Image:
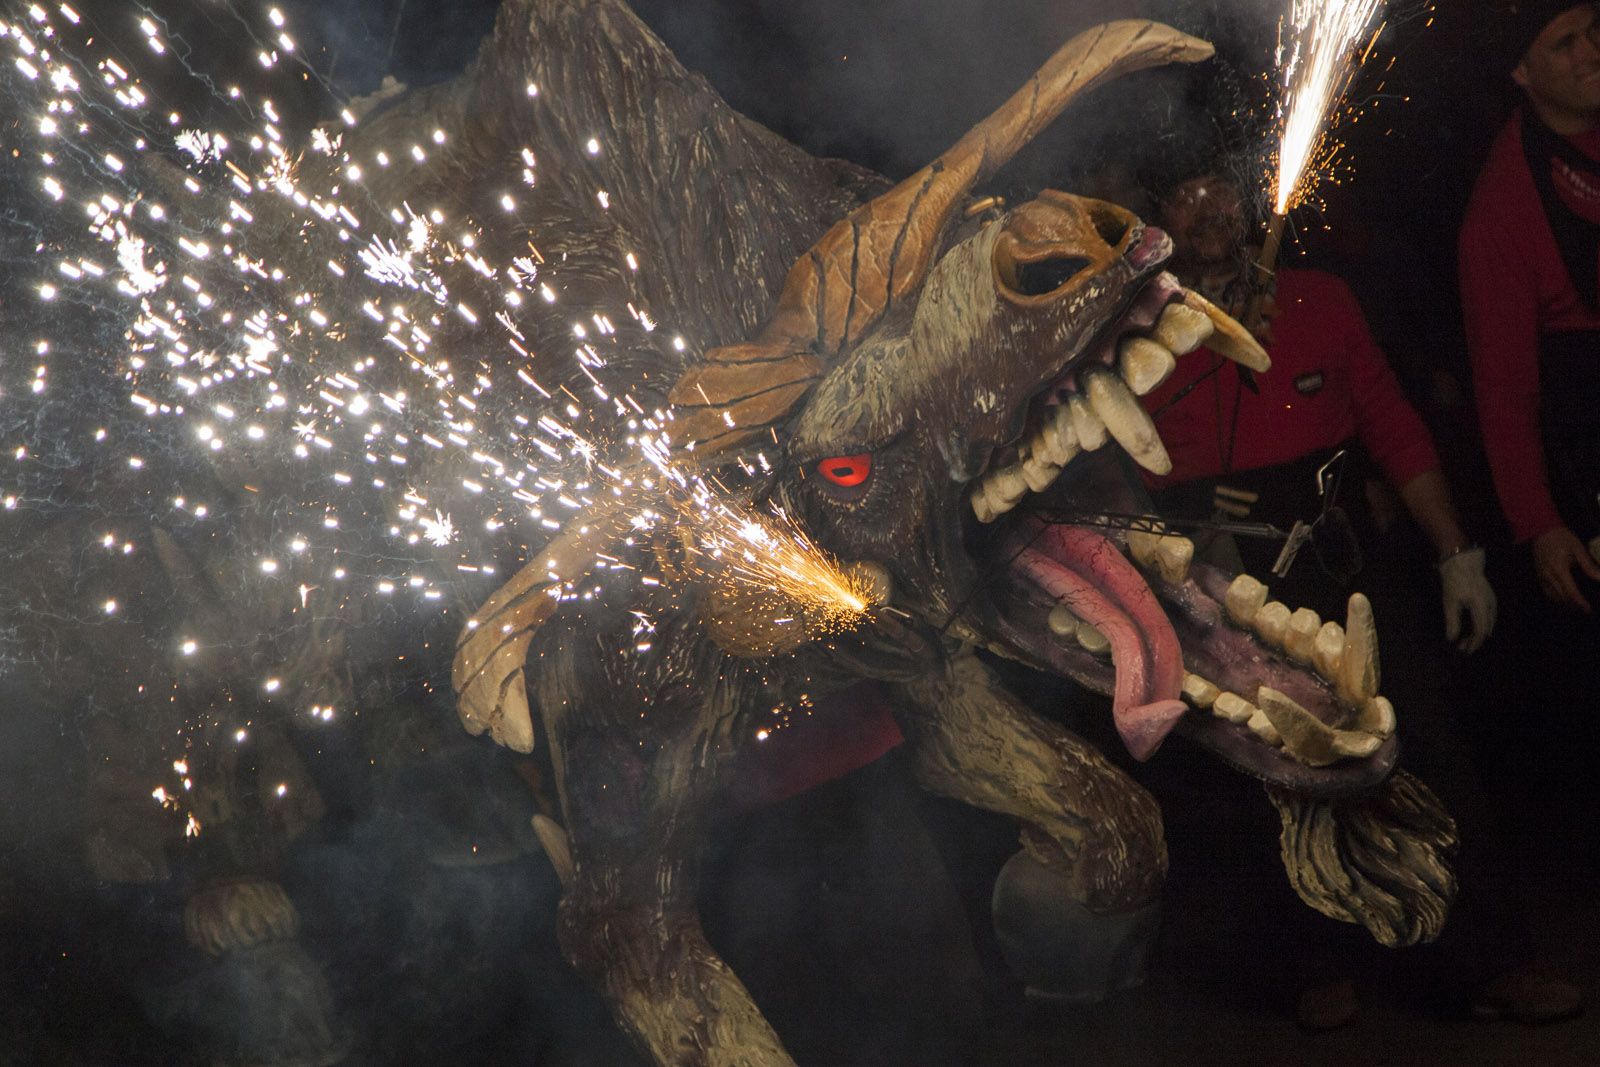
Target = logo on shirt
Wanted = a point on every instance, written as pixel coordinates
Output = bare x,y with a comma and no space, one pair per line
1309,384
1579,190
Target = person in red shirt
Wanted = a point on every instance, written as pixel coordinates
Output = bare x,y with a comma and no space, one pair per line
1261,448
1256,443
1530,267
1530,293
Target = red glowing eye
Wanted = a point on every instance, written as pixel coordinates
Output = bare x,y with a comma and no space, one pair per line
848,471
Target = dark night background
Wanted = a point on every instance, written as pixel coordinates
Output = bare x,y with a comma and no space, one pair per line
433,964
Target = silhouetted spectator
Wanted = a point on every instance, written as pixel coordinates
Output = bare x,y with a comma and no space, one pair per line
1530,293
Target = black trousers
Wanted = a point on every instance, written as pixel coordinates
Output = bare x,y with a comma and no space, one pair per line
1537,725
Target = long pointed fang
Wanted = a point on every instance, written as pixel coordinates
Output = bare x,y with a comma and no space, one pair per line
1231,339
1127,421
1358,677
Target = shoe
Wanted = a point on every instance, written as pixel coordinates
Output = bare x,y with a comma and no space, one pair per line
1528,996
1327,1006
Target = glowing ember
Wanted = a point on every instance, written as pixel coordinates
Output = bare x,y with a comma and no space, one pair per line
1318,60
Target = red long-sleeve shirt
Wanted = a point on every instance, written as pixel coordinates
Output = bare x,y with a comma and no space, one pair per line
1329,382
1514,287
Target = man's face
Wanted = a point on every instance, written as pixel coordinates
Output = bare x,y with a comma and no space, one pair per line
1205,217
1562,68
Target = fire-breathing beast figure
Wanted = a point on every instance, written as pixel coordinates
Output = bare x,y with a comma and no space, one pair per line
939,382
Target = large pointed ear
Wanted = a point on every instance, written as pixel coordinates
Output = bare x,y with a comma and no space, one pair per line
739,391
883,250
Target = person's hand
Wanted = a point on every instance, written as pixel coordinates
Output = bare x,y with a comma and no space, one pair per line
1555,553
1466,589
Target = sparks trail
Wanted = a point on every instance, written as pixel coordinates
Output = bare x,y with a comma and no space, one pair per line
745,548
292,347
1319,52
182,56
261,351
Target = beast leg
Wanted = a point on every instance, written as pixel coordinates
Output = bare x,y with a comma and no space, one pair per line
628,921
1076,909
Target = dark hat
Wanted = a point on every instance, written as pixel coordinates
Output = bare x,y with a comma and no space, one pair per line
1187,150
1516,24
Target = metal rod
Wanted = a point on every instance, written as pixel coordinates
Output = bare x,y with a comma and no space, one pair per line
1162,523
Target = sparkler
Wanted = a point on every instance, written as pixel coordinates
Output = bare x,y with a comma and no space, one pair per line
1318,58
771,552
337,354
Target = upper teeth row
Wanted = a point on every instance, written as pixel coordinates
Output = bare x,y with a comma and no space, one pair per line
1105,405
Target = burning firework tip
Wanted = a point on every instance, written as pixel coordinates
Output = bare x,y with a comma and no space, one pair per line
768,557
1318,56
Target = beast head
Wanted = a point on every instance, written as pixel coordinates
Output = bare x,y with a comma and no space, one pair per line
957,402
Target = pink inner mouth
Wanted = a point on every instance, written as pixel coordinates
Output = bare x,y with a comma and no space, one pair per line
1088,574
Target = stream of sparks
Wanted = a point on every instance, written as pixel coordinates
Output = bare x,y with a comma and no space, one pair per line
1318,57
773,551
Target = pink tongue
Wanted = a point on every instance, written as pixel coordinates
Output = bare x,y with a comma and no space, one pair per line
1087,573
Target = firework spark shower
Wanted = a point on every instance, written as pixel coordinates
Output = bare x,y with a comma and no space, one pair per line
256,347
238,322
1318,59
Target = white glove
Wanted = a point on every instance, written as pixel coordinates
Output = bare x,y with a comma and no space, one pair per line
1465,587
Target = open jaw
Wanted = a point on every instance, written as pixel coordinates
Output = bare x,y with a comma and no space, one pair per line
1277,692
